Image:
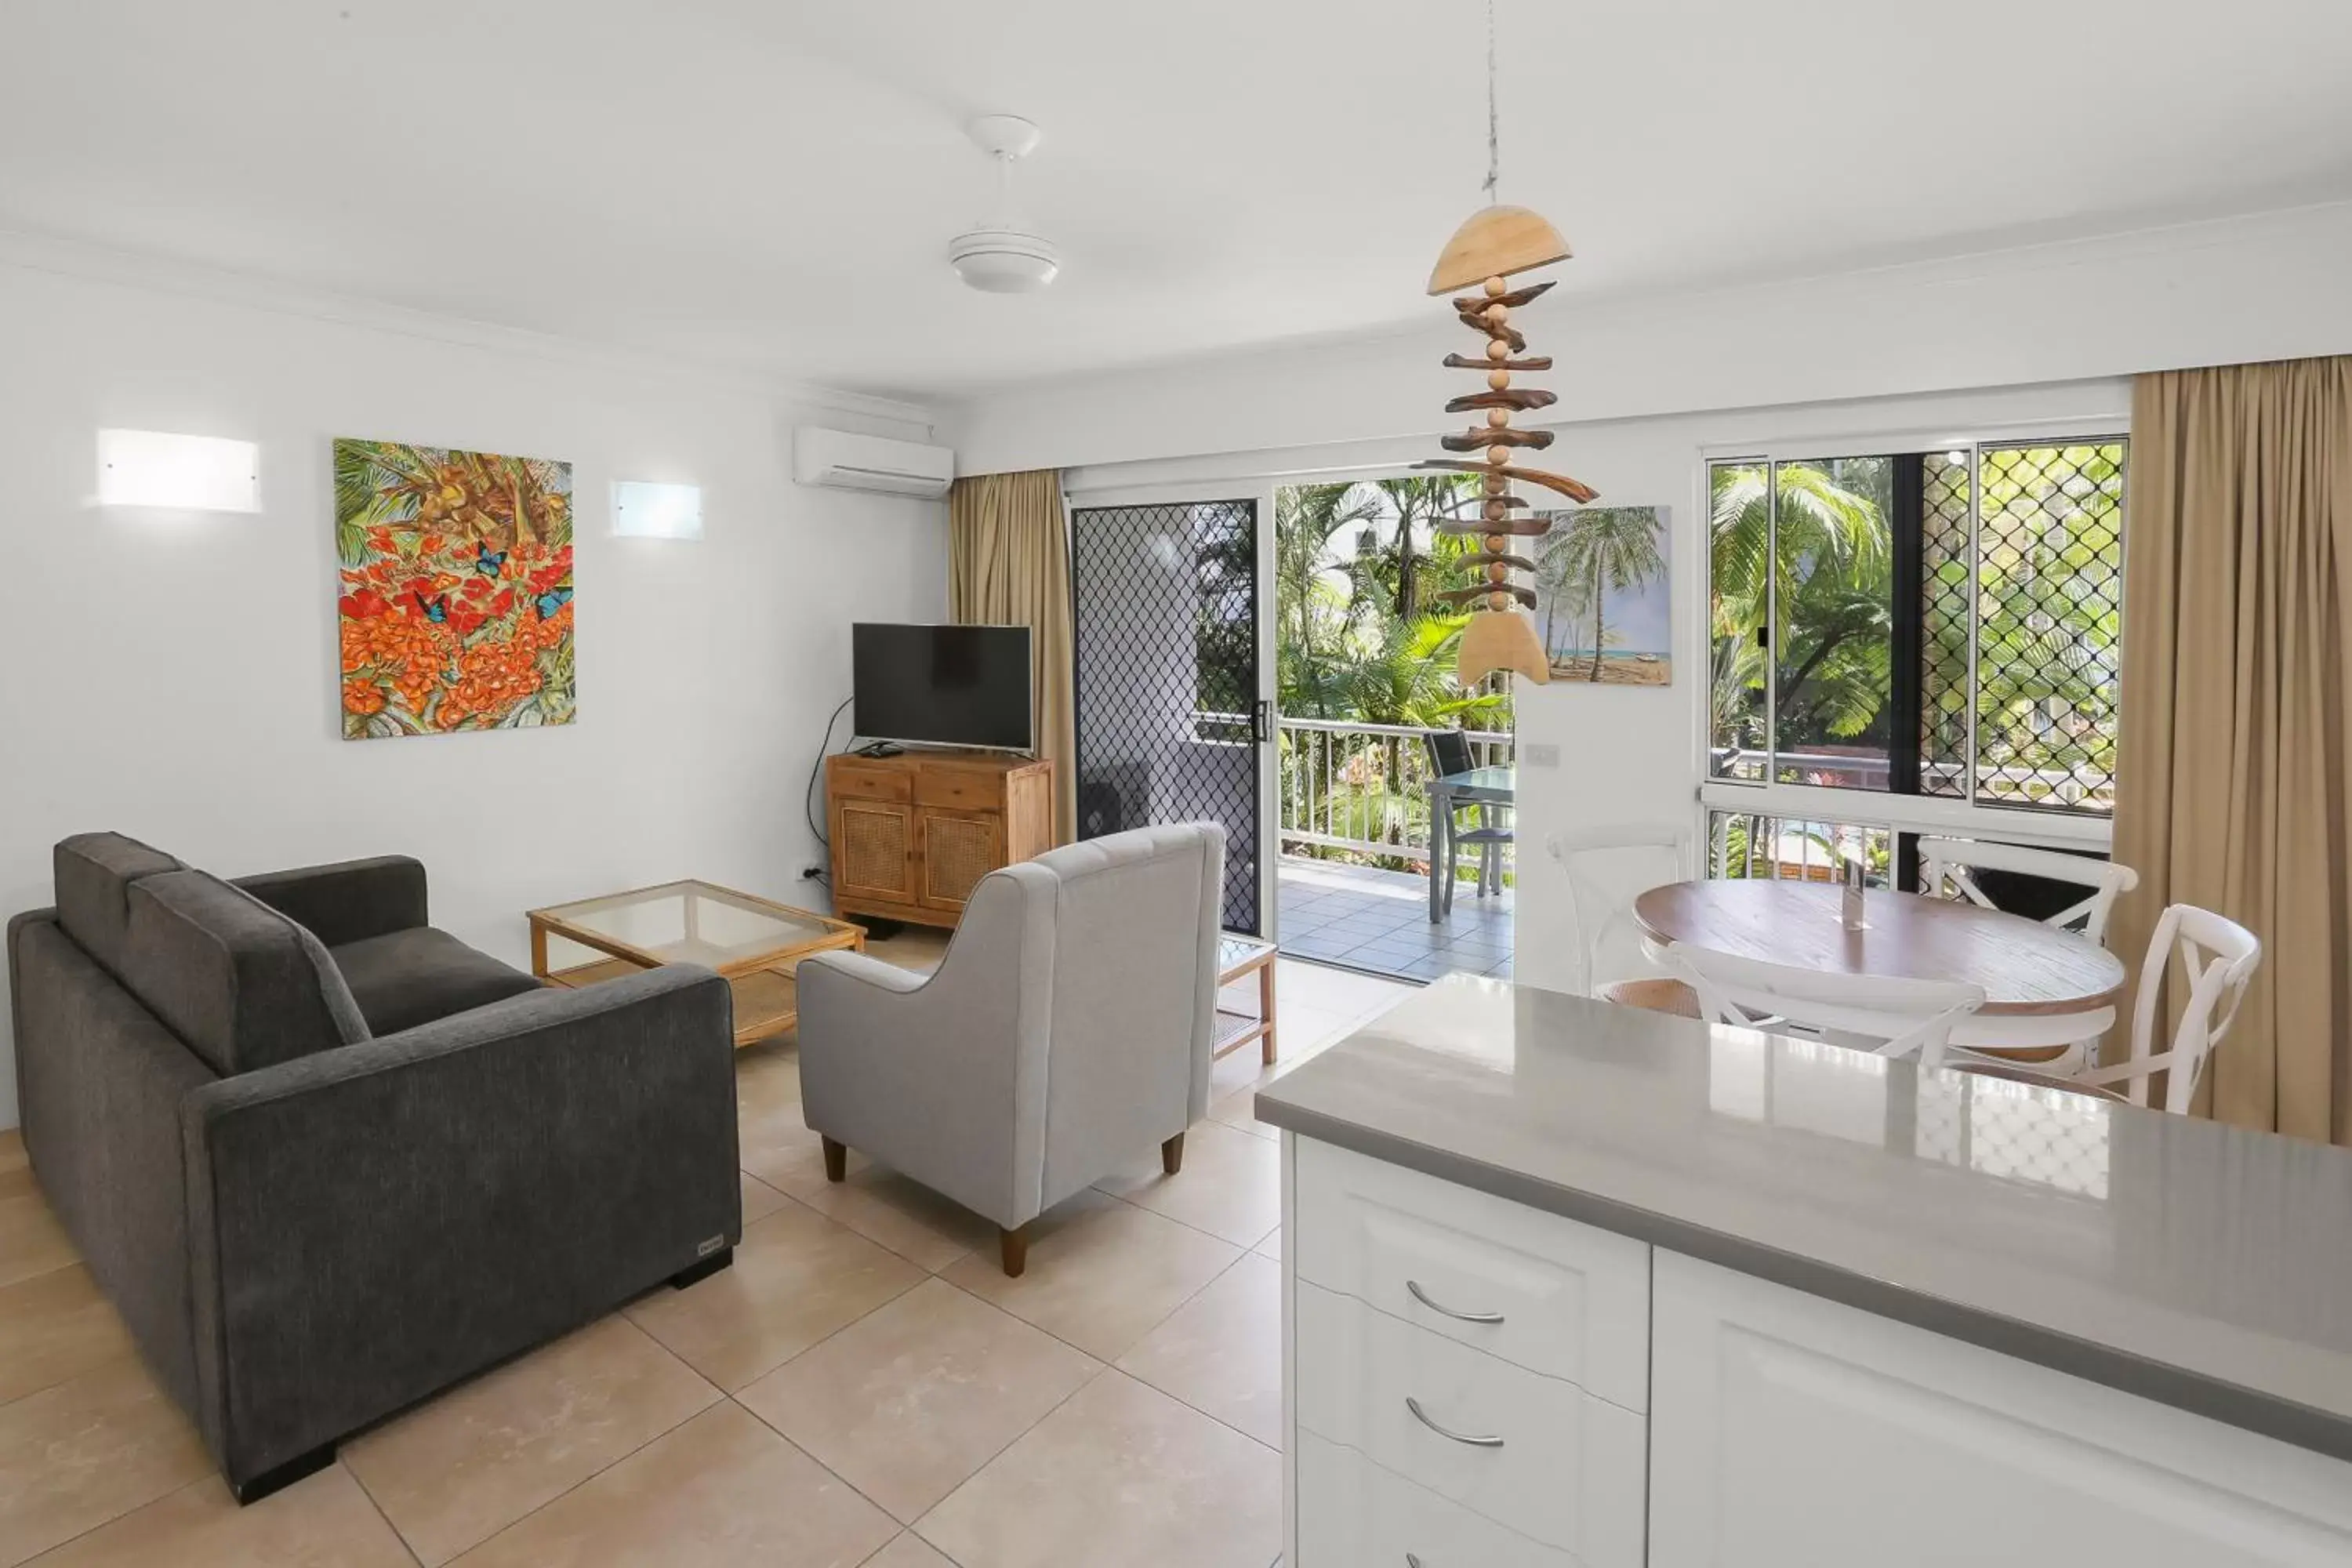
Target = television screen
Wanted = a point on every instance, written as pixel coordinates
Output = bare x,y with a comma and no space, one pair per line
948,686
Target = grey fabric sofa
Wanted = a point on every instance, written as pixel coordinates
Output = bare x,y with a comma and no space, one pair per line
1068,1028
327,1160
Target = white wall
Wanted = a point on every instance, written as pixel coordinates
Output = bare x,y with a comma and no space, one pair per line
2266,287
176,677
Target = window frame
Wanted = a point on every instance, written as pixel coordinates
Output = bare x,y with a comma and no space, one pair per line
2040,825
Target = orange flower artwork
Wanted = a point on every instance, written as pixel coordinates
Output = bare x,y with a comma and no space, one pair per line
455,606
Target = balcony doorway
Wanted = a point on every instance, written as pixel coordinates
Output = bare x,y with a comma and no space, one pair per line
1364,674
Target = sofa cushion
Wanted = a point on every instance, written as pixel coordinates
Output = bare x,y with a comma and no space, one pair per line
242,987
94,872
409,977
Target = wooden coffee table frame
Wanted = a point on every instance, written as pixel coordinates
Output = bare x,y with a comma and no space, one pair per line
767,994
1236,1029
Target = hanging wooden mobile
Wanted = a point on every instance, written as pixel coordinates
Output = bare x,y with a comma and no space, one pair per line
1493,245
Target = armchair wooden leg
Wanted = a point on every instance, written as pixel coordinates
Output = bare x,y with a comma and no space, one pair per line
1171,1155
1012,1246
837,1159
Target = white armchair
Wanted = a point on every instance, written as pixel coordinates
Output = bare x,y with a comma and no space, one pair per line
1068,1026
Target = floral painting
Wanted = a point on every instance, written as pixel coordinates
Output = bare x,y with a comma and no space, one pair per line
457,590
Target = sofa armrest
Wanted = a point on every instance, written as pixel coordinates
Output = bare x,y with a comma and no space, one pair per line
368,1225
349,901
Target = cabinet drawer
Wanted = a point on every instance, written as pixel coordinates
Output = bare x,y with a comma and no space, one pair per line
959,787
869,784
1354,1514
1568,1469
1561,1299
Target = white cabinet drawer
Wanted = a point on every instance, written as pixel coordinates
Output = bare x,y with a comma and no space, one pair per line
1354,1514
1562,1299
1557,1464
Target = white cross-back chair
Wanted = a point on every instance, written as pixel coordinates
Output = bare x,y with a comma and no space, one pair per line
1604,907
2218,958
1894,1017
1951,862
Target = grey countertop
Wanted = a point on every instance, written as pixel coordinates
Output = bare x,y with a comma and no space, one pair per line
2174,1258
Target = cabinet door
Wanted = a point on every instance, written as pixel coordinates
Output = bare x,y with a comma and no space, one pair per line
873,849
1790,1432
959,848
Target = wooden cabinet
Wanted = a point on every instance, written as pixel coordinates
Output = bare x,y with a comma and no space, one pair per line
1791,1432
913,833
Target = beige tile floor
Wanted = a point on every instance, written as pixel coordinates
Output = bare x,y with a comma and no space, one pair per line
863,1386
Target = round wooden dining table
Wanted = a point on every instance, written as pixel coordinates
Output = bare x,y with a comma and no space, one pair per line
2043,986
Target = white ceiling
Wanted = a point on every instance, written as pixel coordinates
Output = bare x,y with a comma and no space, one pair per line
771,183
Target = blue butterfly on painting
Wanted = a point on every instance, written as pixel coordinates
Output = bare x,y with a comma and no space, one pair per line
435,610
485,562
553,600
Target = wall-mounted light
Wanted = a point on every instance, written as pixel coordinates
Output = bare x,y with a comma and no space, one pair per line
643,509
183,473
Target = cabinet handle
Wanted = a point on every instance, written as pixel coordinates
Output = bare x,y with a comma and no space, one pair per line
1413,1288
1422,1416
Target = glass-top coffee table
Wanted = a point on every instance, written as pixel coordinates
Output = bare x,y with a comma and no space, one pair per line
755,942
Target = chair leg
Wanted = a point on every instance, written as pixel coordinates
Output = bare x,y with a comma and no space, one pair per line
837,1159
1012,1249
1171,1155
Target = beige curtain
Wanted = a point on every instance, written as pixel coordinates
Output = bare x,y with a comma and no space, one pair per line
2237,705
1009,564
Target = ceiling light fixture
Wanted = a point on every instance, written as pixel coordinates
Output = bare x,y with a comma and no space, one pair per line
1002,255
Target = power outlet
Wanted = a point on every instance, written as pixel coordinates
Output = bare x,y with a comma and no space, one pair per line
1541,756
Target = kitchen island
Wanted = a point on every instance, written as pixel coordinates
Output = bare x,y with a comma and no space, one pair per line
1573,1284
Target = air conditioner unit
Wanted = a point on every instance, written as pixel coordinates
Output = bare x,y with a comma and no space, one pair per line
853,462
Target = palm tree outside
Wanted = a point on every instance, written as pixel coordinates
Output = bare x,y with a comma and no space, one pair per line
1359,640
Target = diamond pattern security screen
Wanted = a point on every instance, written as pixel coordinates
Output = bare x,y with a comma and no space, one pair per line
1972,599
2049,561
1167,677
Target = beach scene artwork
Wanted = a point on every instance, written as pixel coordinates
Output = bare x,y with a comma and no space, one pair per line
1605,591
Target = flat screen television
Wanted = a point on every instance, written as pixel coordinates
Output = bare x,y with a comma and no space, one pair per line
942,686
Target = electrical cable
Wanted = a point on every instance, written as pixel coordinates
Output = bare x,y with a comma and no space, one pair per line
808,795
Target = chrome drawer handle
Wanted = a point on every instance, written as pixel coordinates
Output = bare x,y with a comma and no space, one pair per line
1422,1416
1413,1288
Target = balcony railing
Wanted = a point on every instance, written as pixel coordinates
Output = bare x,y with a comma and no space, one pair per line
2087,788
1363,788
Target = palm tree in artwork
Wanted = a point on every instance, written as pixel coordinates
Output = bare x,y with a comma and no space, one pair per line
1606,547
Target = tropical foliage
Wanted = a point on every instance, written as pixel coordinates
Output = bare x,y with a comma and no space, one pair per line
1360,637
2020,609
1346,556
456,606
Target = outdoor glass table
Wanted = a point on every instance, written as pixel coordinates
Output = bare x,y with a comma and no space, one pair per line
1481,786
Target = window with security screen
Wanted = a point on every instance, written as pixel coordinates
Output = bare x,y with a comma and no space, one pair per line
1942,624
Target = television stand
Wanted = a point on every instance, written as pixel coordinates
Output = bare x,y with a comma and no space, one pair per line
915,831
879,748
